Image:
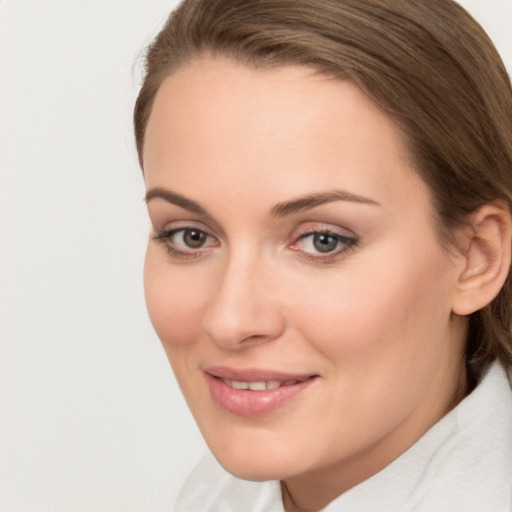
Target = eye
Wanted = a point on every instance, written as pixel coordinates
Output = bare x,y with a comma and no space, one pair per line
191,238
185,241
322,242
325,243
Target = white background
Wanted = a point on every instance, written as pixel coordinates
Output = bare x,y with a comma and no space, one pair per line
91,418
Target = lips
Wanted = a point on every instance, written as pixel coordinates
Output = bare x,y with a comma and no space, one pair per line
254,392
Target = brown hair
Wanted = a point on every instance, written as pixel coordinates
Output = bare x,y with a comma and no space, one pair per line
427,63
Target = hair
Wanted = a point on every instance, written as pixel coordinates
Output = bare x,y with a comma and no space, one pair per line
426,63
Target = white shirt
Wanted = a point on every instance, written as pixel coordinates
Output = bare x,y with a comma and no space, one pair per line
463,463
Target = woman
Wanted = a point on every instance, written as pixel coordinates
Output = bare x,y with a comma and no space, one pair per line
330,189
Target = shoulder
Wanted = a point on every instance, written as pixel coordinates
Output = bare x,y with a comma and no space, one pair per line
210,488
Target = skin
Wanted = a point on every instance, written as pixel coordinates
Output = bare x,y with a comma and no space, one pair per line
373,318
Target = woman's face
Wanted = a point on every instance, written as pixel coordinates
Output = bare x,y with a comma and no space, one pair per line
294,275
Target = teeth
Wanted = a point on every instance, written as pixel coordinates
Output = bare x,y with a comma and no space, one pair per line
257,386
239,385
260,385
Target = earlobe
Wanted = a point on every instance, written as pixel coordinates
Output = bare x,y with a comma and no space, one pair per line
486,260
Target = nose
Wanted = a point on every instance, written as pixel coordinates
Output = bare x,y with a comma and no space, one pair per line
244,308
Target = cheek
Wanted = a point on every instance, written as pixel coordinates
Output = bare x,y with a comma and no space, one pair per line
174,302
380,313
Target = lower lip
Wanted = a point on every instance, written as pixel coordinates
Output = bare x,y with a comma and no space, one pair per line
253,403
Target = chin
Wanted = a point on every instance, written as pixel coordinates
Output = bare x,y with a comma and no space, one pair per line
257,473
260,467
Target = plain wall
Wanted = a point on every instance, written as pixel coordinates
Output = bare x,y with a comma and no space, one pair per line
91,418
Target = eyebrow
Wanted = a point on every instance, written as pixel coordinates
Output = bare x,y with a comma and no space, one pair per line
310,201
174,198
284,209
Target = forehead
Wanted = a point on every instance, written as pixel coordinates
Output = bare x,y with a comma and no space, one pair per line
290,128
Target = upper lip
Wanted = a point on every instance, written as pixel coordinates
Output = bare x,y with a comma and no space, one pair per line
253,374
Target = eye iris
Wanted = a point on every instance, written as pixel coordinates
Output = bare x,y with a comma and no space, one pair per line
193,238
324,242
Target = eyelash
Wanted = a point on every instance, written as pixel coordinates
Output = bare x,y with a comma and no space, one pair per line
347,243
165,238
343,244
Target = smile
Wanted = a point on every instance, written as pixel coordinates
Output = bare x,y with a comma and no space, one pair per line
254,393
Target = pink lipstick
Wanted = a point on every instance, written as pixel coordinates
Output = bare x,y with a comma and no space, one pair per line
254,392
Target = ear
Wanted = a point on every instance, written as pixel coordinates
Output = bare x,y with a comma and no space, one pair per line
486,260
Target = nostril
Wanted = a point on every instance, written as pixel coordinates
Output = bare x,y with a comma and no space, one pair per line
254,337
